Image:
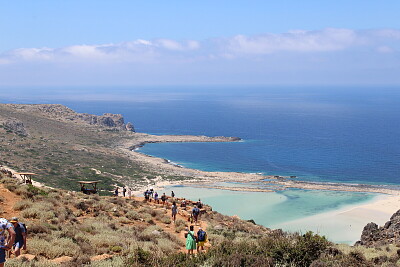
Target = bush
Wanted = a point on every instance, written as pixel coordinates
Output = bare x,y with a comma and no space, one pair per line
54,248
23,204
116,249
32,213
166,219
132,215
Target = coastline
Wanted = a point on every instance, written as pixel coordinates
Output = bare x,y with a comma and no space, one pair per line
206,178
346,223
351,218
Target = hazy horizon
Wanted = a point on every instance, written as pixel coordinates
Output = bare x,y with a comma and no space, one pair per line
132,43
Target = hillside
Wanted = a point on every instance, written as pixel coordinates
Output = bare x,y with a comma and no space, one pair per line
73,229
63,146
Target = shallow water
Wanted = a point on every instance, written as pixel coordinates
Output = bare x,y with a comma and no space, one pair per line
281,209
345,134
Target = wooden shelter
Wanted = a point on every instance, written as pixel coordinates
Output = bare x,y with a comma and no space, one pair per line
26,176
91,184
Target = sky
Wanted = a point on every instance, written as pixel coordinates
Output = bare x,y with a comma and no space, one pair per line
134,43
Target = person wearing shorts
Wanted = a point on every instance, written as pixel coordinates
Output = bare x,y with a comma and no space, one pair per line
201,239
20,236
5,244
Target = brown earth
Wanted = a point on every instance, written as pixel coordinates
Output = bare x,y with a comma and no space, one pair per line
9,201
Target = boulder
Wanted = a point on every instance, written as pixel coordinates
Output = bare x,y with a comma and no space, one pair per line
15,126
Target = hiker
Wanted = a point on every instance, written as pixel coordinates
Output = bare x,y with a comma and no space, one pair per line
195,214
129,192
199,204
174,210
156,198
116,192
201,239
183,204
151,191
146,195
20,236
190,240
5,225
163,198
172,194
123,191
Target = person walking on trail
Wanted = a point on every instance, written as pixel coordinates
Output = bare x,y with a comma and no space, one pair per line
151,191
174,210
5,244
156,198
190,240
196,213
129,192
199,204
116,192
163,199
20,236
146,195
123,191
172,194
201,239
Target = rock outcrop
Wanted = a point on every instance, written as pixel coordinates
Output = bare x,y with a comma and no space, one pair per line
61,112
15,126
373,235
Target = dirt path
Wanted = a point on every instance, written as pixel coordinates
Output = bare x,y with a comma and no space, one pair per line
7,206
170,228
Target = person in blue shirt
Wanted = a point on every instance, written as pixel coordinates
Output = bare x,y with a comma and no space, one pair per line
5,244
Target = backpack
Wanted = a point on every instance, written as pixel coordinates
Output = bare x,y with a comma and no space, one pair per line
201,235
196,211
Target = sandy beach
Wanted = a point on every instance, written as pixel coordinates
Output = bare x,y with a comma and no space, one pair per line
346,224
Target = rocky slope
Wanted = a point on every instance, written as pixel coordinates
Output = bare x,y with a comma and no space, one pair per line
60,112
373,235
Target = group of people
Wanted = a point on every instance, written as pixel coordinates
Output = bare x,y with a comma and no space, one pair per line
125,192
195,240
6,172
15,240
150,194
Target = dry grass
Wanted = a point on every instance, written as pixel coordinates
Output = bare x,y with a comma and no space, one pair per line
72,224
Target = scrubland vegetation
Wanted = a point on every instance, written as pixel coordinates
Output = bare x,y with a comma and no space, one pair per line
133,233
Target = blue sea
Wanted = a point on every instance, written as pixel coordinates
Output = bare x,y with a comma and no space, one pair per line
325,134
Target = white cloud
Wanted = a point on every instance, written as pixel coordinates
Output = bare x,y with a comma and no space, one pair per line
295,41
166,50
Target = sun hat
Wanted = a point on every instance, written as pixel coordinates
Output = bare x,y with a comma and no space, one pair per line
14,220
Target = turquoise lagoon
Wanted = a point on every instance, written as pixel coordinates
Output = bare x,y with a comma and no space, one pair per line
290,210
320,134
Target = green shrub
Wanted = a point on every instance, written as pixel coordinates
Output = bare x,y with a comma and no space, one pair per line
116,249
